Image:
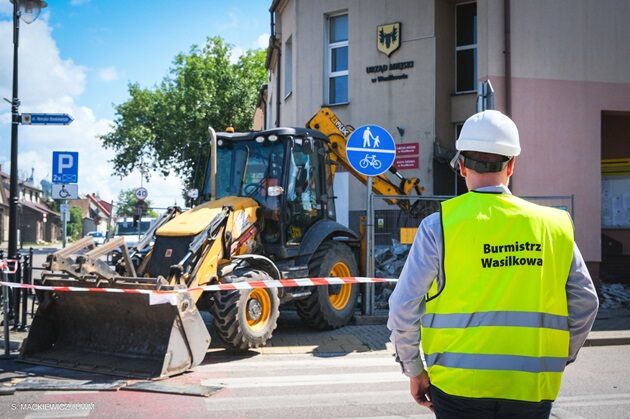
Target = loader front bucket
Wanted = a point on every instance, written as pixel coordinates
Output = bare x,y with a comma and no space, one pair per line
117,333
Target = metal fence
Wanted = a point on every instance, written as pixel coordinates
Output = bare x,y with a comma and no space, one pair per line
394,231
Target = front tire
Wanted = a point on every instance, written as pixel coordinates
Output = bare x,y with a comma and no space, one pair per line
246,319
330,307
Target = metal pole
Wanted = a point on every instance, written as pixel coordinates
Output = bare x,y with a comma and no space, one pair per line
15,120
368,305
64,215
16,292
26,279
5,312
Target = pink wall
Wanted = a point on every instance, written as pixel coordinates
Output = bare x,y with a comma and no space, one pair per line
559,123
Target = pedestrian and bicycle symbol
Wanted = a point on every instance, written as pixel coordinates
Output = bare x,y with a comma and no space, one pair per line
371,150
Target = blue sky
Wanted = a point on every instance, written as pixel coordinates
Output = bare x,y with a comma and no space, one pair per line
78,58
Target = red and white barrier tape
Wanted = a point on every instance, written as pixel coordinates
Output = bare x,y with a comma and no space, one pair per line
283,283
5,266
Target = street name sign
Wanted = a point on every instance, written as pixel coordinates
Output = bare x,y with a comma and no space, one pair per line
65,167
46,119
65,191
371,150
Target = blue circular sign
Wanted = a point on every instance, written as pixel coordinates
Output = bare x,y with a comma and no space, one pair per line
371,150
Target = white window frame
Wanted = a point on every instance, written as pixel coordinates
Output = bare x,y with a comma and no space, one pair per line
288,67
329,74
464,48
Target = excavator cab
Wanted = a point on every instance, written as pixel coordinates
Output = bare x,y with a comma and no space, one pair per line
285,171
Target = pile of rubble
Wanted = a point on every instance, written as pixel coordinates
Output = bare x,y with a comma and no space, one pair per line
615,296
388,263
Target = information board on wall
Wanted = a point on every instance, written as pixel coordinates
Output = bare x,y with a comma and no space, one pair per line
616,202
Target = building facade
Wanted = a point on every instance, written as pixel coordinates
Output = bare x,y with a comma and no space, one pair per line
36,222
414,67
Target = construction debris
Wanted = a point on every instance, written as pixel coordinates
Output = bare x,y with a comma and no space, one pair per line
615,296
388,263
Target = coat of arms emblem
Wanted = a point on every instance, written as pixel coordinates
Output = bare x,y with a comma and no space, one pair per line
388,38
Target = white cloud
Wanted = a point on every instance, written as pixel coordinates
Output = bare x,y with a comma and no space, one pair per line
262,41
235,54
51,84
108,74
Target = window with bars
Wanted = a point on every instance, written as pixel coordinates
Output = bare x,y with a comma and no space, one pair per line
466,47
337,60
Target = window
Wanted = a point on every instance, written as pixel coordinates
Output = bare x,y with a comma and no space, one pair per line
304,205
337,60
466,47
288,67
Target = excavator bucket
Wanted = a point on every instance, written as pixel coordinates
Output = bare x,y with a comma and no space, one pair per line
125,334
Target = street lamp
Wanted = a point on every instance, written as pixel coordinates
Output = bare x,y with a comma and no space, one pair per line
28,11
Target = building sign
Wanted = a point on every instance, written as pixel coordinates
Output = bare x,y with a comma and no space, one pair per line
382,68
406,163
388,38
407,156
407,149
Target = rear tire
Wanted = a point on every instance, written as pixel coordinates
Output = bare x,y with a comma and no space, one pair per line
330,307
246,319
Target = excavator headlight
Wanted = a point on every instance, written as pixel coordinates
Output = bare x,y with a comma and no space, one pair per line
260,139
220,143
272,138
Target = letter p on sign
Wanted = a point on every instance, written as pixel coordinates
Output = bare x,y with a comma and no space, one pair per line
65,167
66,161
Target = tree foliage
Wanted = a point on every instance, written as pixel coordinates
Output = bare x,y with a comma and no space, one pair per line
165,128
126,204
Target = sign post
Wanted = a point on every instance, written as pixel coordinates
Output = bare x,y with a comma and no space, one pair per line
65,176
371,151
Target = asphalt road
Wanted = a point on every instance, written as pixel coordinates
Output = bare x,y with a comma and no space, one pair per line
354,385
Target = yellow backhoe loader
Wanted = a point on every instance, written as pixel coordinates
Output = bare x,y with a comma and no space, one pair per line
270,216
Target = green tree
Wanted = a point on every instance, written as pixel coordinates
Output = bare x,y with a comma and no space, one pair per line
165,128
126,205
75,224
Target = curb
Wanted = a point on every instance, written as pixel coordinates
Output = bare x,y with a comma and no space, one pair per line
608,338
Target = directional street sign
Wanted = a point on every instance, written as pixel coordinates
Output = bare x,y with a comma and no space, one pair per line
65,167
142,193
46,119
65,191
371,150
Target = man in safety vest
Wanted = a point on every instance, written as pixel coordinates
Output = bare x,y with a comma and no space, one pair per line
499,288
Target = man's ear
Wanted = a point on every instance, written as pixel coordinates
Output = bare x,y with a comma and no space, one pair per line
462,169
510,166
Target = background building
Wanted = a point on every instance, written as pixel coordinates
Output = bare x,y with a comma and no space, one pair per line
37,223
560,69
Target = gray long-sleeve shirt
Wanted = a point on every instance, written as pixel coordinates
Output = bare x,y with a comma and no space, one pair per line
423,265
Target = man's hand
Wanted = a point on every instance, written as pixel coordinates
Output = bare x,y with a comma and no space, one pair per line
419,388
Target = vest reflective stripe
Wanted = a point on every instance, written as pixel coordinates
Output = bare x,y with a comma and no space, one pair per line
496,318
497,362
499,327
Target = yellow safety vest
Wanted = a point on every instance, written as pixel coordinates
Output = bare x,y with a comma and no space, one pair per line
499,326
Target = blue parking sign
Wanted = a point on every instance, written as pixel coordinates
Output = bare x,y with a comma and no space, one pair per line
371,150
65,167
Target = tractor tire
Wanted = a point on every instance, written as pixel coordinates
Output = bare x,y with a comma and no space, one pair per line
246,319
332,306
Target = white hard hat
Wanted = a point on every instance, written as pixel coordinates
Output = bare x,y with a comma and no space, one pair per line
489,132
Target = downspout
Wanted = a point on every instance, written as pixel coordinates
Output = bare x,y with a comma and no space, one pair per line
276,47
264,108
507,57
